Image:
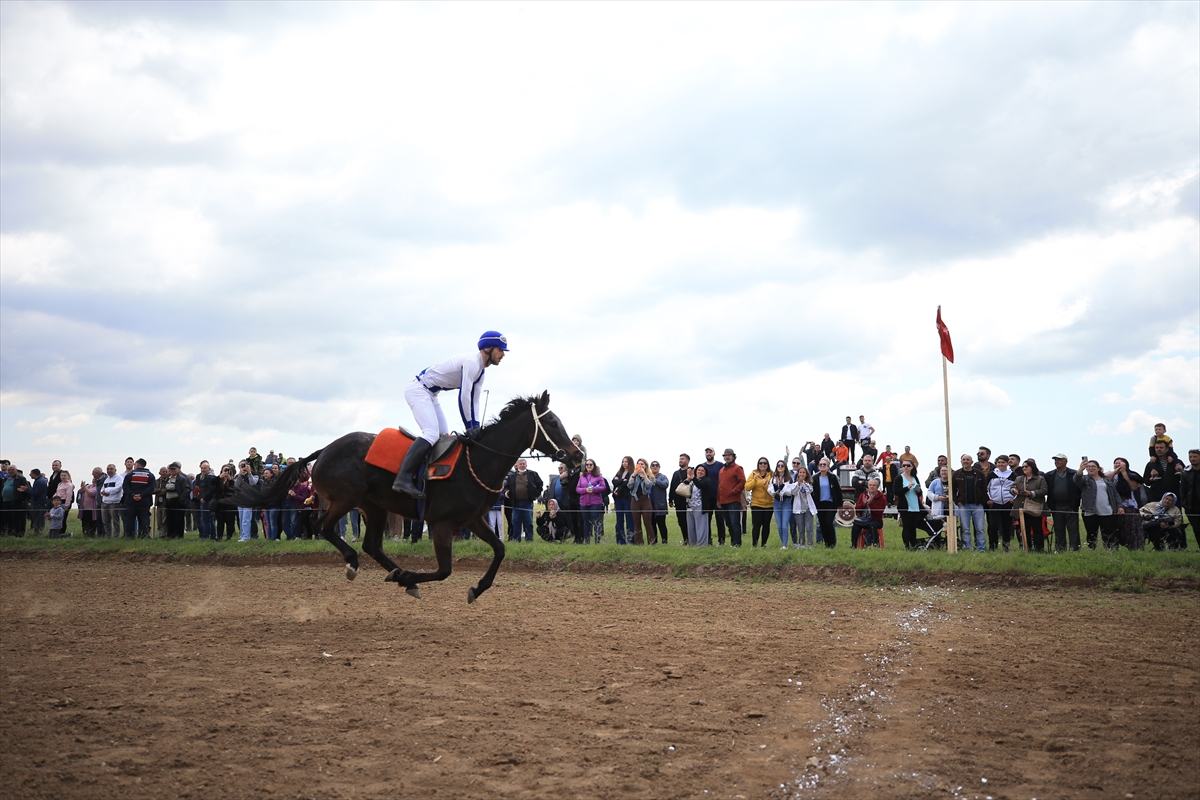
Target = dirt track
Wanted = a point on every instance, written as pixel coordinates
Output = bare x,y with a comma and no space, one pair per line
161,680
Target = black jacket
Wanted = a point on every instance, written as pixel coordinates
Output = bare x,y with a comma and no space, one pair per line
1157,483
1189,491
849,433
835,492
679,477
206,487
1073,493
708,496
960,487
535,485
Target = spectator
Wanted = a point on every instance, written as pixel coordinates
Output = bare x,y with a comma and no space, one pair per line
936,472
781,504
58,518
804,511
89,504
678,501
591,488
1128,483
160,501
758,484
65,489
1101,506
937,496
294,506
970,494
866,472
712,471
701,502
850,436
137,492
621,501
246,477
908,453
867,530
890,471
827,446
225,510
550,523
273,513
985,457
812,454
866,432
999,503
521,488
827,496
495,518
909,498
204,490
255,463
841,454
641,503
1189,492
271,460
39,500
1163,522
658,499
1160,435
1062,498
1029,499
731,483
570,502
55,478
177,493
111,492
15,493
1162,472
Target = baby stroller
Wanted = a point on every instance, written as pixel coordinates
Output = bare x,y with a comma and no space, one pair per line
935,526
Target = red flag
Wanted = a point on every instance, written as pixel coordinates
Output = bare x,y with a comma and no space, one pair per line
944,335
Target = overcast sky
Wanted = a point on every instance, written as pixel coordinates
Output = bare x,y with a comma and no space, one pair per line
225,225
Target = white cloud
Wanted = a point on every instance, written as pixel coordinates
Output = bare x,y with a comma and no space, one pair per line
55,423
964,395
1138,421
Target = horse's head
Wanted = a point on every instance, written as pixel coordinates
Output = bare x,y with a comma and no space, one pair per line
552,438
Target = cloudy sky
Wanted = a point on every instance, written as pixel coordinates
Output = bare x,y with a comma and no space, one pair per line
225,224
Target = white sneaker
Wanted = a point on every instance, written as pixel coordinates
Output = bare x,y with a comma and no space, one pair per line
784,547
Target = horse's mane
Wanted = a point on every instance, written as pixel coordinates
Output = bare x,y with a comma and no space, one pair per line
517,405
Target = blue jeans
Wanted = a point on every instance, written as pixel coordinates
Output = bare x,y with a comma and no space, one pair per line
593,523
803,523
783,519
522,519
971,513
208,524
733,521
624,527
354,523
245,520
272,523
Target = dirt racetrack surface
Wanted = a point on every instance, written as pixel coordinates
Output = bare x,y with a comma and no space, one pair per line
128,680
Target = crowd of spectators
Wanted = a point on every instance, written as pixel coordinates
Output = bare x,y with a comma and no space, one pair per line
998,500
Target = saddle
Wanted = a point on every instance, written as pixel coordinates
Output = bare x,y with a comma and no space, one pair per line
389,447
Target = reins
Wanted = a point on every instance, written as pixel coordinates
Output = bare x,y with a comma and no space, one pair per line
537,428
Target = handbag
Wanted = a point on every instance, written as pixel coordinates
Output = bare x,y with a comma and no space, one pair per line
1034,507
684,490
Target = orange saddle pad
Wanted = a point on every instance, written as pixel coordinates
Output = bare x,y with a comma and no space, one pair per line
390,446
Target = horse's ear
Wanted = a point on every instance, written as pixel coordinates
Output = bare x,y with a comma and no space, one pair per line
544,400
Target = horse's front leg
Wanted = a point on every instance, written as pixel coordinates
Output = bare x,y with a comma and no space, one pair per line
442,536
484,531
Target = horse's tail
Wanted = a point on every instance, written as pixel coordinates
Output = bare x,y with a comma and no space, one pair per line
254,497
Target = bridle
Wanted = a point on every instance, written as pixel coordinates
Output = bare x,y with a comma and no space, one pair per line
560,453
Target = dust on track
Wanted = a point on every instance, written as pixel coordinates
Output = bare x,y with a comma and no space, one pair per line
159,679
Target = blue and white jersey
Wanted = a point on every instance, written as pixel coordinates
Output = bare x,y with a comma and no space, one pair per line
463,372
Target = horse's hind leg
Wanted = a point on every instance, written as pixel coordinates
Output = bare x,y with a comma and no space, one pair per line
442,535
484,531
328,528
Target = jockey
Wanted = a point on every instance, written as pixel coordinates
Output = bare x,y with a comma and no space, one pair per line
465,373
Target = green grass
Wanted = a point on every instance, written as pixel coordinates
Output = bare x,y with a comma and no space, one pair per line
1122,568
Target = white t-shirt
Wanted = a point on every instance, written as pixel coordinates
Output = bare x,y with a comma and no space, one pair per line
1103,507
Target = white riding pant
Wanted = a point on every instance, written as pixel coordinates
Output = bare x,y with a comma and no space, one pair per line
427,411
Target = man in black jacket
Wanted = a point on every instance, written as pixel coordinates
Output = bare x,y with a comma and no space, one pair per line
674,500
1189,492
970,492
138,493
850,437
1062,501
521,488
1162,474
206,489
177,496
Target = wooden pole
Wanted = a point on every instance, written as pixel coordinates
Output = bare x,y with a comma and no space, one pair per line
1024,539
952,535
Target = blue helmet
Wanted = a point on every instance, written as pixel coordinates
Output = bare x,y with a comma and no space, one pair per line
493,339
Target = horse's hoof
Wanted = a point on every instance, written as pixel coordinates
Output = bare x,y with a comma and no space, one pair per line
393,576
471,596
351,572
415,591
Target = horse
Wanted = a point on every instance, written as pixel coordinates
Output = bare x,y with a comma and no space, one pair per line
344,481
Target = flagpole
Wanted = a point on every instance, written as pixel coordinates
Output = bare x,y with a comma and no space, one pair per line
952,539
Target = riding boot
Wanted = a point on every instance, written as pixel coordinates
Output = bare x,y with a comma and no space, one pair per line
405,478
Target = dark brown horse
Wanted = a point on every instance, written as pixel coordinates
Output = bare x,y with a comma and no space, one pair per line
345,481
